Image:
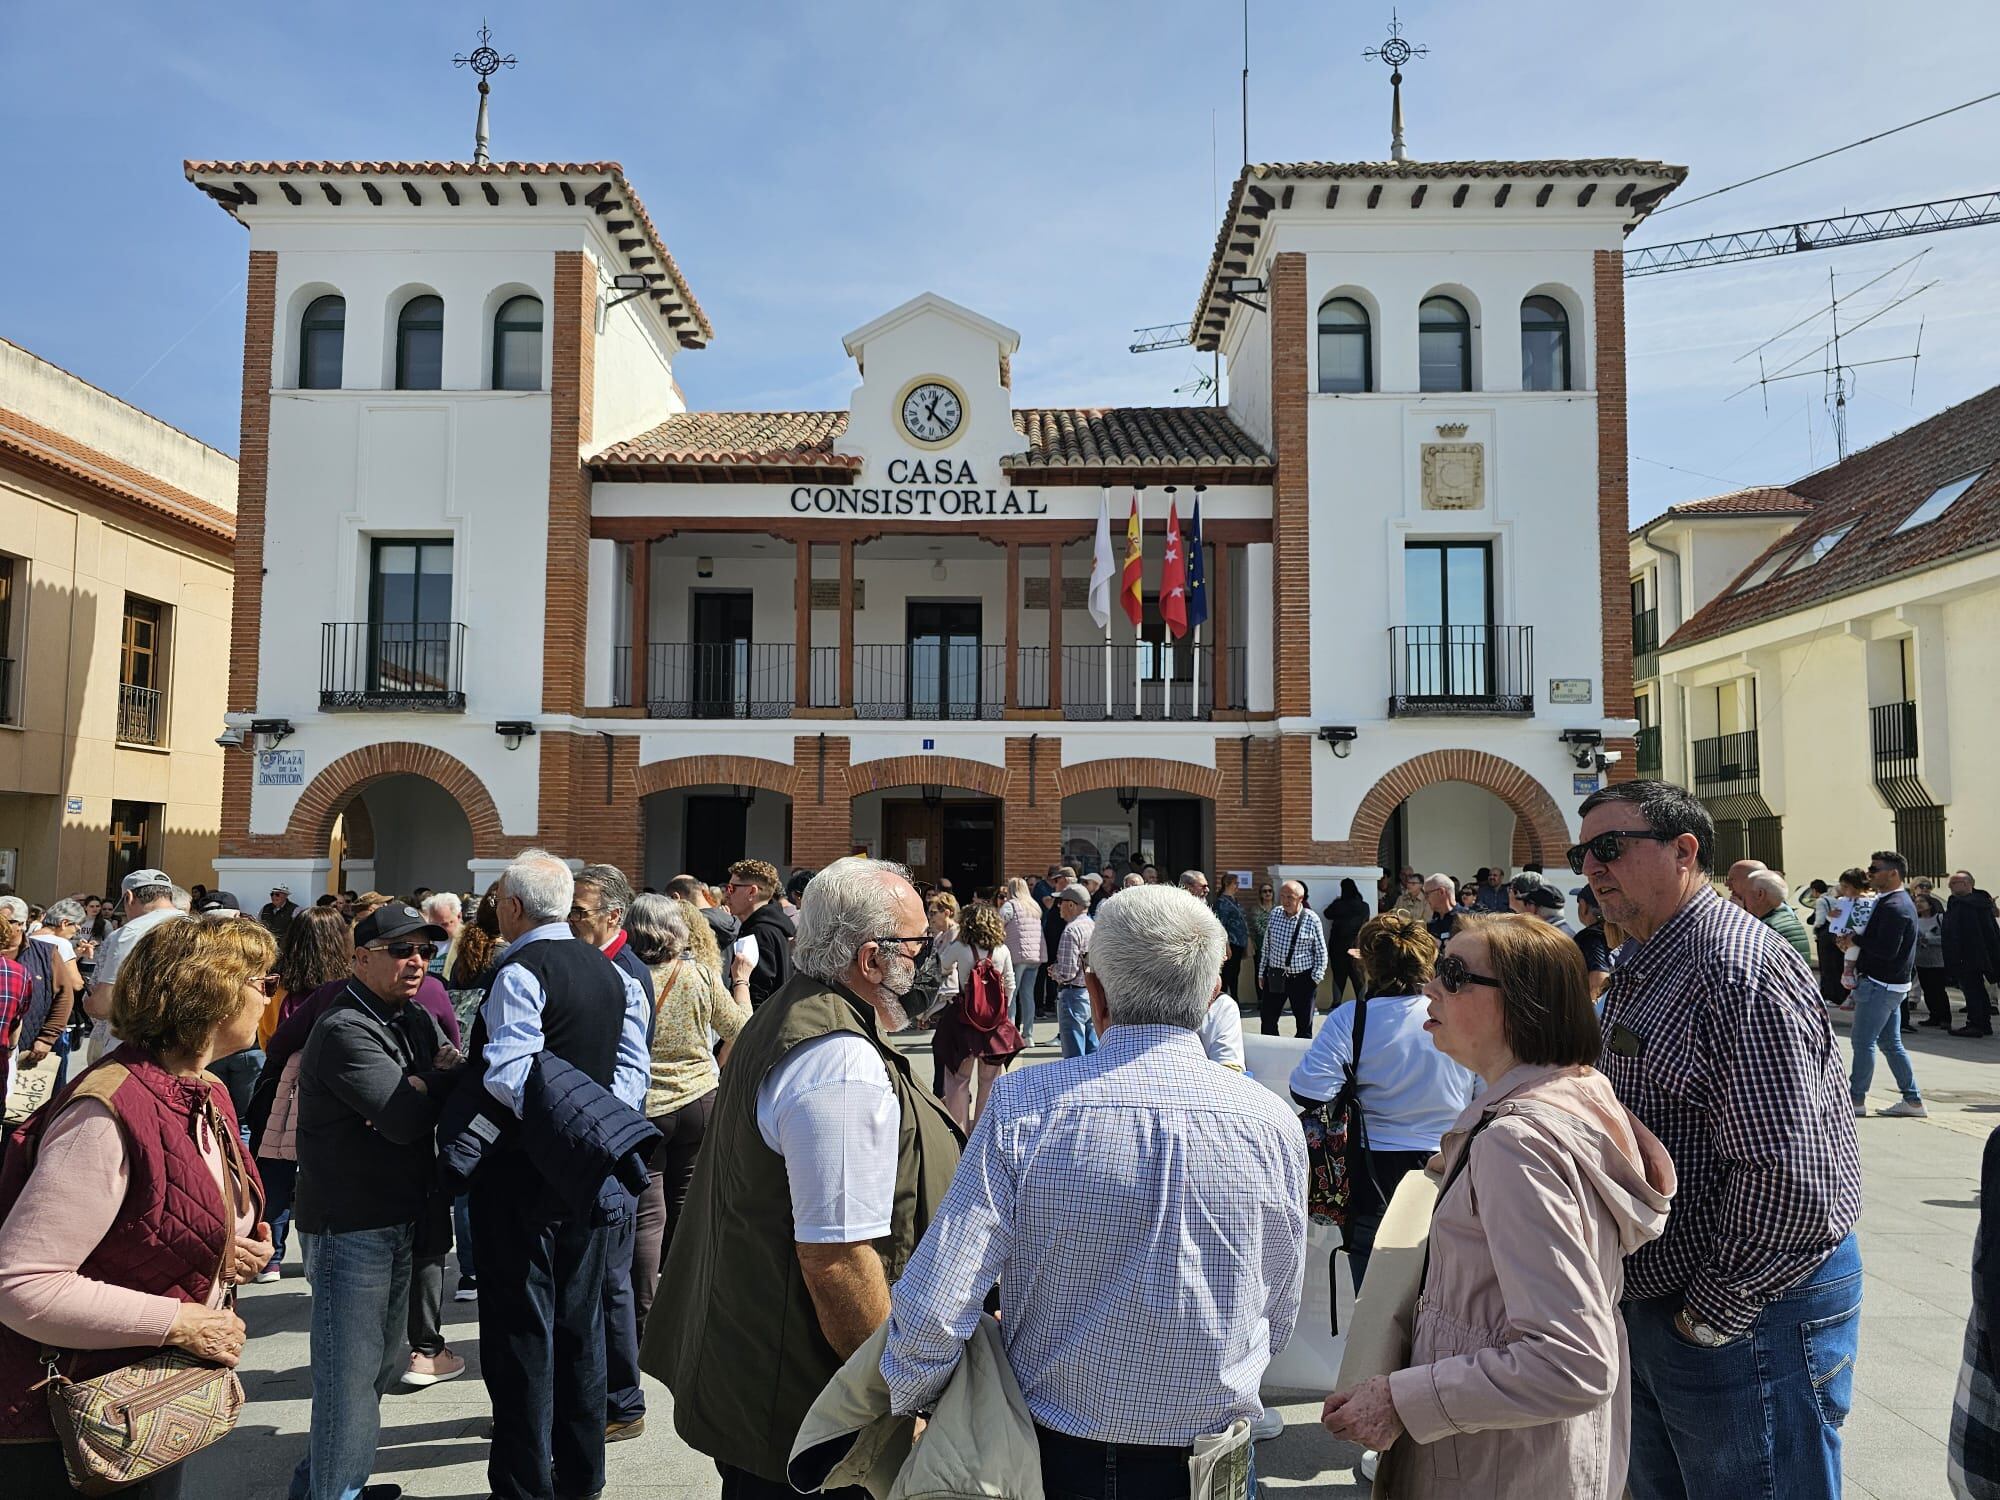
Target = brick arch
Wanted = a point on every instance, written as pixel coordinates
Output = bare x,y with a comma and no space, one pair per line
311,824
1139,770
715,770
939,770
1540,833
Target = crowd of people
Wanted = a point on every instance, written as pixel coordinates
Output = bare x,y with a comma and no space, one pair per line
687,1133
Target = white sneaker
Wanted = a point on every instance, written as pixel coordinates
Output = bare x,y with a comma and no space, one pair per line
1905,1109
1861,1111
1370,1462
266,1276
1269,1425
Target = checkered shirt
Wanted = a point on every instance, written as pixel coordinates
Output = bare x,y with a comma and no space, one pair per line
1143,1211
1739,1076
1280,956
15,987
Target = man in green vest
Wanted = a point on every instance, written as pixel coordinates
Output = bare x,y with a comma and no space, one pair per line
824,1162
1764,898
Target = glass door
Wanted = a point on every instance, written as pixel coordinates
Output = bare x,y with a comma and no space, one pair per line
720,679
943,660
1448,604
409,617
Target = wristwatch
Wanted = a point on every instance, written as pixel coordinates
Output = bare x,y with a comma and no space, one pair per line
1695,1331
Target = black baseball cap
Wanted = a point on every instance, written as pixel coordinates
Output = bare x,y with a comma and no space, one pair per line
219,901
395,920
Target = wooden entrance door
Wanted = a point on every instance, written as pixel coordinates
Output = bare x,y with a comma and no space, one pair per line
958,840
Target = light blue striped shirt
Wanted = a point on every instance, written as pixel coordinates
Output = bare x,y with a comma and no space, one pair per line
1143,1211
513,1011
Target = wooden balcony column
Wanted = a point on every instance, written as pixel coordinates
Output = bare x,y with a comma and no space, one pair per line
1013,698
847,624
1218,619
642,622
1055,627
802,624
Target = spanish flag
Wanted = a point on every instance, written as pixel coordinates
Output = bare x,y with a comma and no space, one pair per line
1130,588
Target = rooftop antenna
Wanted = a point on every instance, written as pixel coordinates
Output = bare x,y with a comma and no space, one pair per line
1246,82
484,61
1395,52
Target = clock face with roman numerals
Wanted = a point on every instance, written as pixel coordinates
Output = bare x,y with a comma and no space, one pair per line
932,412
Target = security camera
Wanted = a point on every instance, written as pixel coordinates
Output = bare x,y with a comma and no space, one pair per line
231,738
1612,757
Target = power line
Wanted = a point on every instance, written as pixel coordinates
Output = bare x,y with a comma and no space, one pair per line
1822,156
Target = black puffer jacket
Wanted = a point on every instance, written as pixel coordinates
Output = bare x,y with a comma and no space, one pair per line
1971,935
773,931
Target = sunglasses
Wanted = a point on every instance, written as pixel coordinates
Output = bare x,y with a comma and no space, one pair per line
578,913
1453,976
1609,848
404,952
923,945
264,984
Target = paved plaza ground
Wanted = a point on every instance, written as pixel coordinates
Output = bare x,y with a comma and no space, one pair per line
1916,1234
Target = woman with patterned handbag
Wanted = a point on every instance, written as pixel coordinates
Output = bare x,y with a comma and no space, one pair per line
128,1213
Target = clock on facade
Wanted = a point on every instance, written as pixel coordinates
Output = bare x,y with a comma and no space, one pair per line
932,412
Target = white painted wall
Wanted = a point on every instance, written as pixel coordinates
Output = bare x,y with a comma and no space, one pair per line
421,835
1455,827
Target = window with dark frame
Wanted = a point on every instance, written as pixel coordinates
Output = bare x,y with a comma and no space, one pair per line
142,675
1346,347
1544,345
409,615
420,345
7,672
322,337
1444,345
517,345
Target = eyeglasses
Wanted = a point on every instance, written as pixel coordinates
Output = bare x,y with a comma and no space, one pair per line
923,945
578,913
404,952
264,984
1453,975
1609,848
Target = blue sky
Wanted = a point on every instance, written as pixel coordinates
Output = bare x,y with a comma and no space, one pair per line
1048,164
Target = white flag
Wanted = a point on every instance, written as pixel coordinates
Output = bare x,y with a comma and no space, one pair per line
1102,567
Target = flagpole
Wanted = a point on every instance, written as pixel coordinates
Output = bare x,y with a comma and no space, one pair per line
1138,669
1106,501
1195,707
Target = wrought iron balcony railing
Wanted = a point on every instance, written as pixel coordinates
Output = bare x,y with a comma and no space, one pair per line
1461,669
1726,765
930,680
1646,631
1146,680
1648,757
142,715
384,665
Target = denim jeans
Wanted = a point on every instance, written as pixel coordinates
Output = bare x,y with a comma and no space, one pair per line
1759,1418
461,1238
1073,1024
360,1299
280,1177
541,1338
1026,978
1878,1022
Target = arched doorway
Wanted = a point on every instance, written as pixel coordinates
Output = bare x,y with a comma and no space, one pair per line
1452,827
943,833
402,832
1125,828
1441,806
703,829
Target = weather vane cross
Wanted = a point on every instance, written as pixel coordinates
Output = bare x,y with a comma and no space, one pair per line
1395,52
484,60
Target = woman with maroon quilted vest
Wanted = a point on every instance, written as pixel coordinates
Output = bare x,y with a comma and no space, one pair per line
115,1235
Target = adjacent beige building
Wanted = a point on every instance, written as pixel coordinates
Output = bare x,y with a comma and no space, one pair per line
116,534
1816,662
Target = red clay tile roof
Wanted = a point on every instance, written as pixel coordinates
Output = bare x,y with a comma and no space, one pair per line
1115,439
229,194
115,481
1250,202
1872,493
1760,500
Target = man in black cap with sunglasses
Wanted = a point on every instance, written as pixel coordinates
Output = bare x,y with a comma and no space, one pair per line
367,1110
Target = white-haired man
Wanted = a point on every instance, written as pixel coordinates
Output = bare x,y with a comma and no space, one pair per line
541,1313
1765,898
826,1158
1144,1214
1440,906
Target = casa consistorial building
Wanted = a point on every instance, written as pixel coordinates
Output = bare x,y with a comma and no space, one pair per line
499,582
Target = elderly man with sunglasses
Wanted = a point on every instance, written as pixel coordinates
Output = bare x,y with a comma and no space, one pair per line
1744,1316
367,1110
825,1161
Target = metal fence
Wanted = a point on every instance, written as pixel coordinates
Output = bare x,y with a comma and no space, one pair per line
142,715
1726,765
1461,669
930,680
392,665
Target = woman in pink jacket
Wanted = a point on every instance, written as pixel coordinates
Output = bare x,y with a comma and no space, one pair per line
1518,1383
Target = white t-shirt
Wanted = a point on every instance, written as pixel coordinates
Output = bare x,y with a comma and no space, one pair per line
65,949
110,954
1222,1033
830,1111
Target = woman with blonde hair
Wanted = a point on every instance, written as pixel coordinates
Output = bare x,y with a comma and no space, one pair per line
701,944
974,1035
690,1006
1519,1381
128,1208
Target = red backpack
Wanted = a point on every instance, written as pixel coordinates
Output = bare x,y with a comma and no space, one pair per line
983,1002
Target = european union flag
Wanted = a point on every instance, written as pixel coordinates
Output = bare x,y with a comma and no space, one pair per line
1197,573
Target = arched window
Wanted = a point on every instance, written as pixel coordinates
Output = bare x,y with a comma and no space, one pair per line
517,345
322,333
1544,345
1444,346
420,345
1345,352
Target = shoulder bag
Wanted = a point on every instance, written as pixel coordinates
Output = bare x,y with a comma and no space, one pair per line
128,1424
1337,1139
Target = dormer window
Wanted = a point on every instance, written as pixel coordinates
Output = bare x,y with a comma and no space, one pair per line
1544,345
517,345
420,345
1937,502
322,335
1444,345
1345,356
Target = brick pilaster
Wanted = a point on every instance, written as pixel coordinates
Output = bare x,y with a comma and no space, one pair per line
572,329
1246,807
1291,597
1031,820
253,472
822,812
578,819
1613,509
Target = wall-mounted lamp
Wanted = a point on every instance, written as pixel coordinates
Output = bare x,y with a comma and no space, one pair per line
1584,746
274,731
513,731
932,795
1243,288
632,284
1341,737
746,794
1128,797
704,567
937,569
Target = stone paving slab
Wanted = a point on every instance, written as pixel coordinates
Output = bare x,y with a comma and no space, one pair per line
1916,1231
